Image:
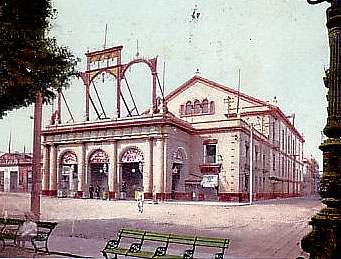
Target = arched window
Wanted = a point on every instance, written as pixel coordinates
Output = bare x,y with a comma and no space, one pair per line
182,110
205,106
212,107
188,108
196,107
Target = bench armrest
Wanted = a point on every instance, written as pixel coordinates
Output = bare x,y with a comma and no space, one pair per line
135,247
219,255
188,254
160,251
112,244
40,236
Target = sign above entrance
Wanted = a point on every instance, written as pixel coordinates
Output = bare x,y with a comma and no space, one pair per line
69,158
210,181
99,157
178,157
132,155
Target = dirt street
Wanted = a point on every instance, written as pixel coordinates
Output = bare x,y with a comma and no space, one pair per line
270,229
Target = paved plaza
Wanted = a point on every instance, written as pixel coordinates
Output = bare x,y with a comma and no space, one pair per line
269,229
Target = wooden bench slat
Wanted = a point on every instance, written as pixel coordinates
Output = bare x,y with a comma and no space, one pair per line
141,254
119,250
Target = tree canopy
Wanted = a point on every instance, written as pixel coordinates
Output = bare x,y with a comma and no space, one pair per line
30,60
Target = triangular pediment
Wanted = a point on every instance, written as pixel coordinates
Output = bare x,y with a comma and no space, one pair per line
195,80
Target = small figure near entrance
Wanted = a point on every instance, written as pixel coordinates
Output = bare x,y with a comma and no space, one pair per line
91,191
27,230
140,199
98,190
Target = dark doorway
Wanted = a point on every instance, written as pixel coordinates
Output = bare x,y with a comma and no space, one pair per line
176,172
13,181
99,176
132,178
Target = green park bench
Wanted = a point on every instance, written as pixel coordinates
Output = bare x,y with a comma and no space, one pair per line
135,250
9,233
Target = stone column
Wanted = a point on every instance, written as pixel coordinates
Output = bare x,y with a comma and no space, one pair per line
166,183
81,172
324,241
46,173
113,185
158,176
53,171
148,187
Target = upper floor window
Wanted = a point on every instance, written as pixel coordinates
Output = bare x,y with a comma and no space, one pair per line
212,107
182,110
205,106
197,108
188,108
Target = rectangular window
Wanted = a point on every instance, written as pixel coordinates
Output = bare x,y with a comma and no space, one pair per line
210,154
274,162
246,150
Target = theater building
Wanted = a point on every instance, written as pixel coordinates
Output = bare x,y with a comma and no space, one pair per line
196,147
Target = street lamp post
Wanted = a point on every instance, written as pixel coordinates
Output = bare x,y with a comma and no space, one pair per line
324,241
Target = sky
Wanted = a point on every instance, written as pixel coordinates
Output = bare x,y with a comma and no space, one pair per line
279,46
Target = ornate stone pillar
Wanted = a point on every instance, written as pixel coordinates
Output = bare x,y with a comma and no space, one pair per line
113,183
46,172
149,185
53,171
81,172
324,241
158,181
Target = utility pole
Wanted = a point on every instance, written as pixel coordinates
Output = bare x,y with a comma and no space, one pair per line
324,241
36,175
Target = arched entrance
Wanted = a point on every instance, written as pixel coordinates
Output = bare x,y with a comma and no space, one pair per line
131,172
99,165
68,175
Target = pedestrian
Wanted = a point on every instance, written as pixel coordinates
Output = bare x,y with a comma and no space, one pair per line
27,230
91,191
140,199
98,190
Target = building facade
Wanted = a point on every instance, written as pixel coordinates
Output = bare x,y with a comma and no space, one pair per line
197,147
15,172
311,177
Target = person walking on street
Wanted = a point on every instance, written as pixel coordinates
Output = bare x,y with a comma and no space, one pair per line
98,190
91,191
140,199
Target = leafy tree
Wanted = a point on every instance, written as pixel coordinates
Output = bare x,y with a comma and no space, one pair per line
30,60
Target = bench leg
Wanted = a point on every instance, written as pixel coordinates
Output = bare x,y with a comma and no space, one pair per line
106,256
2,245
46,248
35,247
